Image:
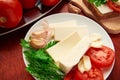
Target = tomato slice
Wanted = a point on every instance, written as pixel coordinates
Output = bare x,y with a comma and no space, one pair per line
78,75
113,5
101,57
93,74
69,76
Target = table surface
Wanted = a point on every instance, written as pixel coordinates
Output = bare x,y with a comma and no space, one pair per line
12,66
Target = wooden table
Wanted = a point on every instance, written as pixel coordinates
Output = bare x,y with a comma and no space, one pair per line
12,66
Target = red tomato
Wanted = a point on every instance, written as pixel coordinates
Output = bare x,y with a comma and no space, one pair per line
93,74
49,2
101,57
78,75
113,5
69,75
28,4
10,13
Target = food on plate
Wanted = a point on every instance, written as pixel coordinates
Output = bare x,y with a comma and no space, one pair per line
28,4
38,39
68,23
93,74
68,58
84,64
10,13
101,57
96,40
65,46
40,64
49,2
108,18
72,54
61,32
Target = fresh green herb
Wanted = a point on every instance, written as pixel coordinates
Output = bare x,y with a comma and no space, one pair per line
41,65
100,2
114,0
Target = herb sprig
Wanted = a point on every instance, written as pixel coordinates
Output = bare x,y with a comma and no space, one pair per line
41,65
100,2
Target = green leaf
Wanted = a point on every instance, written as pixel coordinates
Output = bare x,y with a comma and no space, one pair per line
25,44
98,2
41,65
114,0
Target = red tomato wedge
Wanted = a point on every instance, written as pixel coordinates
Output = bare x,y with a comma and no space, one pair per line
93,74
69,76
101,57
113,5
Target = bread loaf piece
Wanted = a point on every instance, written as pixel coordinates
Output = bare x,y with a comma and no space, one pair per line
110,24
95,10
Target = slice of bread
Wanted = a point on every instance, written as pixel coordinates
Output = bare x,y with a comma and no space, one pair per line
94,9
110,24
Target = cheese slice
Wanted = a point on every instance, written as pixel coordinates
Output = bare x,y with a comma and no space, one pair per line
61,32
104,9
63,47
70,59
63,23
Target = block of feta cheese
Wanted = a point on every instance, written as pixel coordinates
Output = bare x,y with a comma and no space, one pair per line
73,56
63,23
61,32
63,47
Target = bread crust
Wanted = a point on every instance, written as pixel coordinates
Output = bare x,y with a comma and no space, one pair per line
97,13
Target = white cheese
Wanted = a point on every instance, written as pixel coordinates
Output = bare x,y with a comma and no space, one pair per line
75,54
63,47
104,9
62,32
64,24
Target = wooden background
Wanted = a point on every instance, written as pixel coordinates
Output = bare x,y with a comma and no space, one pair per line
12,66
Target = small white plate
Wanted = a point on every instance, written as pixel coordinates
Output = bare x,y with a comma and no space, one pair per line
81,20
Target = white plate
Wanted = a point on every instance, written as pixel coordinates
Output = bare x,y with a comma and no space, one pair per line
81,20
